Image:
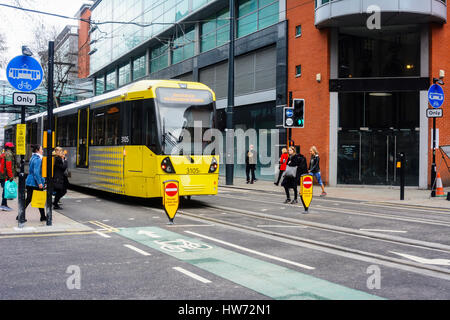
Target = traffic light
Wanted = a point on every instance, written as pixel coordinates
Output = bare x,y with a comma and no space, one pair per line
299,113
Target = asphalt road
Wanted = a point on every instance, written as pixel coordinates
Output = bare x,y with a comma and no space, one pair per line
237,245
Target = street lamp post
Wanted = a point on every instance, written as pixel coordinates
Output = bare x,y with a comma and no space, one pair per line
229,159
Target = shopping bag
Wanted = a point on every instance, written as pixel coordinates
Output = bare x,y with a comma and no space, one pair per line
10,190
39,198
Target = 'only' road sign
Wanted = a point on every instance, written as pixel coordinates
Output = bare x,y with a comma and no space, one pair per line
24,73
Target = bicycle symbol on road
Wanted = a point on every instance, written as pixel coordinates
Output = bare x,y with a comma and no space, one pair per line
181,245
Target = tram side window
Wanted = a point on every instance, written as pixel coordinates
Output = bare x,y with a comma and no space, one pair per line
98,127
112,125
61,132
72,123
136,127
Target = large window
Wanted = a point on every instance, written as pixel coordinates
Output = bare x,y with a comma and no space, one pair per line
111,80
139,67
160,58
112,122
216,31
255,15
389,52
99,85
124,74
183,46
98,127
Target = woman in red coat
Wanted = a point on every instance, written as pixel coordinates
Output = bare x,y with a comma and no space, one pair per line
283,162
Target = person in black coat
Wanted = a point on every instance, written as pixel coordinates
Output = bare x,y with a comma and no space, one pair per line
60,181
291,182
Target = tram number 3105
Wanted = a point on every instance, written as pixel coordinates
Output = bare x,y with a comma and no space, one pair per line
193,170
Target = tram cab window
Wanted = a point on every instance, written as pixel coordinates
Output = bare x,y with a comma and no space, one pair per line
112,125
185,116
136,123
151,132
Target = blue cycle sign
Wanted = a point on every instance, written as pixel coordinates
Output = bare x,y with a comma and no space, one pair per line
24,73
436,96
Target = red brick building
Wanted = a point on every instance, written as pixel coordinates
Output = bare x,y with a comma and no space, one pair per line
364,77
83,41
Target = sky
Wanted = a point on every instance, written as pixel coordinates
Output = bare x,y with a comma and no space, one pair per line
17,25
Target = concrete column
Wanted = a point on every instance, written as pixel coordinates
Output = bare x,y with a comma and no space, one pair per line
424,147
333,137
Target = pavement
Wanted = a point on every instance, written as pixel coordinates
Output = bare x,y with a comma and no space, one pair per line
60,223
387,194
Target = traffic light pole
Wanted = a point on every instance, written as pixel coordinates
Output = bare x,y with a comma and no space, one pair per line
51,54
229,166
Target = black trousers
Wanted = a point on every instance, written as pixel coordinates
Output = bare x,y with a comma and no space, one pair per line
59,194
4,201
28,201
279,176
286,189
250,168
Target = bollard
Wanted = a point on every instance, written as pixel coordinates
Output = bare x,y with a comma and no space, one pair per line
401,167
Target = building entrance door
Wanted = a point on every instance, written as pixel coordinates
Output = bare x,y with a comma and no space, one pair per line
370,156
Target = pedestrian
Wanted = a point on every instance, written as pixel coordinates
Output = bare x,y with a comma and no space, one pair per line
34,181
290,175
60,181
283,162
7,171
314,168
250,164
302,167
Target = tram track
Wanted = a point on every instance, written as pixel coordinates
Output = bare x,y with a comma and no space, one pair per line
321,245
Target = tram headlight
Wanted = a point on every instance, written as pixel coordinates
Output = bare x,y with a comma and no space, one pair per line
214,165
166,165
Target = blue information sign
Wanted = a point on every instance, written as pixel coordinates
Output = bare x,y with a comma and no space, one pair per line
24,73
289,112
436,96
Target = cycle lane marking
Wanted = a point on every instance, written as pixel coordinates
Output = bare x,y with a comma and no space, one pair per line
192,275
267,278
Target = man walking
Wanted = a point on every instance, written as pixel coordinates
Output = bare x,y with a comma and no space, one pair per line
250,164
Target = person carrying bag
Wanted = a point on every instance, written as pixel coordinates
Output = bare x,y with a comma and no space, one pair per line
290,176
60,172
35,182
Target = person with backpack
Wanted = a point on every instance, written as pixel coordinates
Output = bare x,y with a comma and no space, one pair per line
7,171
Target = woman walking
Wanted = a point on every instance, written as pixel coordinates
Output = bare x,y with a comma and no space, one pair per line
290,175
283,162
314,168
34,181
60,181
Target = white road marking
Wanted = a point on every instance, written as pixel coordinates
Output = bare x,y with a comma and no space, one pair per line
192,275
77,200
437,262
263,210
131,219
105,220
224,213
149,234
189,225
137,250
381,230
156,217
279,226
252,251
102,234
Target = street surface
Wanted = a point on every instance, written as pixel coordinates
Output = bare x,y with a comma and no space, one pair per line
238,245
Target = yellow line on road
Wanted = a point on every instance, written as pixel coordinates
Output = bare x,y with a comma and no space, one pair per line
104,226
40,235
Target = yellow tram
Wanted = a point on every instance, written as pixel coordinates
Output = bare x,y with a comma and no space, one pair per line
128,141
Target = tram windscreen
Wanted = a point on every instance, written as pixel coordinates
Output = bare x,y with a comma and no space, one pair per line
185,116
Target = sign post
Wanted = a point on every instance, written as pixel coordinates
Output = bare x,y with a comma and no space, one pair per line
306,190
25,74
171,198
436,99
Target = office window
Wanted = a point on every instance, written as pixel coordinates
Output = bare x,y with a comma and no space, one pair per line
99,85
139,67
160,58
298,31
124,74
254,15
216,31
183,46
298,71
111,80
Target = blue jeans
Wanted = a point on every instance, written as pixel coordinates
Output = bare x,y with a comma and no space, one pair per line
318,177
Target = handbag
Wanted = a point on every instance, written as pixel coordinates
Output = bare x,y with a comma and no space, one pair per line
290,172
39,198
10,190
